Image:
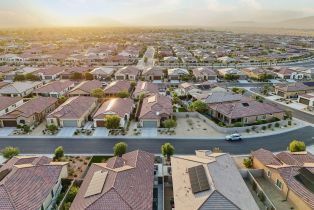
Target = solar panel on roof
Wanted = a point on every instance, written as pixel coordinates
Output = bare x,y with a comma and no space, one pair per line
96,184
198,179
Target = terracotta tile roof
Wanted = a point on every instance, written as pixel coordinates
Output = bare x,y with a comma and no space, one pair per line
5,101
147,88
130,70
291,87
56,86
290,165
117,86
117,106
203,71
248,108
87,86
155,107
289,175
33,106
73,108
28,186
128,185
153,71
266,157
51,70
79,69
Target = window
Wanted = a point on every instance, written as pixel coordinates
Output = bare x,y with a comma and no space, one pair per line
268,173
279,184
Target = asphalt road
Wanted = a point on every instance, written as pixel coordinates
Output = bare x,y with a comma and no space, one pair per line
274,143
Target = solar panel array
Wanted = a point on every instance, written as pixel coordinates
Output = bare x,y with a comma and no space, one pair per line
198,179
96,184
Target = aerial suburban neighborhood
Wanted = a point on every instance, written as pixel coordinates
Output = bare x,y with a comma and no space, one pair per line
178,114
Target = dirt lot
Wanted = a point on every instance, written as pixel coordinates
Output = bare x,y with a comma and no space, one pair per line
193,127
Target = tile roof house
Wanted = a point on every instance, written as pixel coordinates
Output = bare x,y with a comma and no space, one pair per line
55,89
292,90
122,183
116,87
8,104
102,72
30,113
122,107
29,182
255,72
177,73
245,112
128,73
223,97
231,71
292,173
85,88
154,110
73,113
75,69
204,74
50,73
307,99
209,181
153,73
146,88
20,89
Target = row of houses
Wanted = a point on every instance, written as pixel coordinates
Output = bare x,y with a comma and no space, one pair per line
205,180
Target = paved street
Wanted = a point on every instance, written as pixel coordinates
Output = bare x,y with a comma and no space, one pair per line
183,146
149,54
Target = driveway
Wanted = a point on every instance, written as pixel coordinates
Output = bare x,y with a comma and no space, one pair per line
6,131
101,132
66,132
149,132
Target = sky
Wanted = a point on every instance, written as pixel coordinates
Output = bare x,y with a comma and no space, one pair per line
25,13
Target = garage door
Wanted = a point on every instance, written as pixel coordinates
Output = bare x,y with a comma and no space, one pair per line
100,123
304,101
9,123
69,123
150,124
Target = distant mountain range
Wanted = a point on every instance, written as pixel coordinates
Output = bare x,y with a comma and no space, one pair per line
297,23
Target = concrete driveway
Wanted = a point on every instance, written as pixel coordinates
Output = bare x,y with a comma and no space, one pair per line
101,132
6,131
149,132
66,132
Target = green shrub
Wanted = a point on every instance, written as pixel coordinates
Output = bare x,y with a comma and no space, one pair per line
238,124
264,127
297,146
289,123
277,125
261,196
248,162
10,152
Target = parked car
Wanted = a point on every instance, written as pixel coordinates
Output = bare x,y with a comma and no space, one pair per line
234,137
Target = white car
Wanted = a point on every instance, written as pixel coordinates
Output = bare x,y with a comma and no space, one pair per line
234,137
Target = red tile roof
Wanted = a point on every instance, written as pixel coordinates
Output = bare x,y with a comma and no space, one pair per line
128,185
155,107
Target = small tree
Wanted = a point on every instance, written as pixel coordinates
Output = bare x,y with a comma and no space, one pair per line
248,162
199,106
72,193
123,94
88,76
170,123
112,121
297,146
19,77
167,150
62,99
145,59
32,77
119,149
52,128
133,84
26,128
10,152
98,93
59,153
76,76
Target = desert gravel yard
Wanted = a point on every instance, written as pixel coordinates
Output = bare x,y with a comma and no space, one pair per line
195,127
